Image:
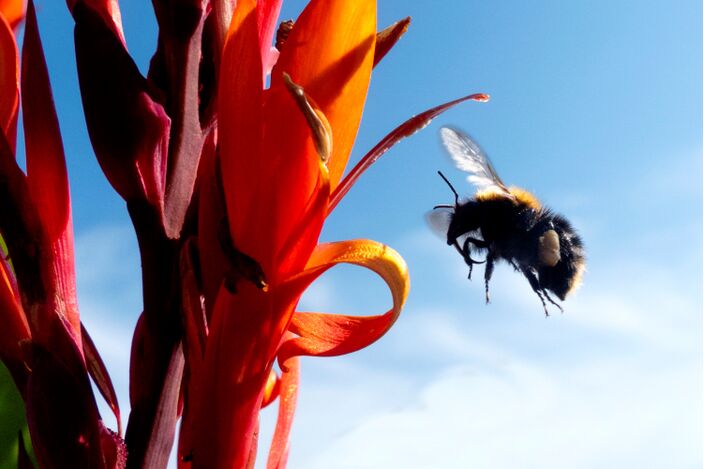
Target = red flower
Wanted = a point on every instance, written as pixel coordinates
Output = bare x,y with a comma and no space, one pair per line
266,184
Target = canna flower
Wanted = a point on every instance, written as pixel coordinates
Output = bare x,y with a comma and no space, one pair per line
269,177
48,352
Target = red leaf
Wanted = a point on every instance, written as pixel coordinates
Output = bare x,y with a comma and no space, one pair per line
408,128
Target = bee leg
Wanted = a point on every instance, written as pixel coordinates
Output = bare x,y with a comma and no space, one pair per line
551,300
480,243
465,252
488,271
532,277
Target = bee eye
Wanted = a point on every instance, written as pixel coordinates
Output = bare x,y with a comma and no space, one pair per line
549,248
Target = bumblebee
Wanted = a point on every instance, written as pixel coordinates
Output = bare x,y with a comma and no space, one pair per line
507,223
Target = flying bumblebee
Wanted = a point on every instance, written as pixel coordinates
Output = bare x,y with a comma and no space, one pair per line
507,223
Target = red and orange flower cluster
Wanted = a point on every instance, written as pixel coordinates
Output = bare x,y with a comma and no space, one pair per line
230,154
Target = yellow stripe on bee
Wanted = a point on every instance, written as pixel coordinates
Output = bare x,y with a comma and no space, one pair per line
522,196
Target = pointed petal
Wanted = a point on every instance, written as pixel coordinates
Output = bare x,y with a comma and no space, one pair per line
46,166
329,53
9,81
331,334
388,38
408,128
280,443
99,372
267,16
129,130
46,172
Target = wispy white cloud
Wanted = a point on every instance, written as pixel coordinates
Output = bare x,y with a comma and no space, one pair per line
616,381
109,294
613,382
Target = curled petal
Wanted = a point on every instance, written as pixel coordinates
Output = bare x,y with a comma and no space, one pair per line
322,334
408,128
288,394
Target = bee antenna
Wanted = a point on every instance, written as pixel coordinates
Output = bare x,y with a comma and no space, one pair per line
457,197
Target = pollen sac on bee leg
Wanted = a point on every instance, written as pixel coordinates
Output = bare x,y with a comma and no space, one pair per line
549,248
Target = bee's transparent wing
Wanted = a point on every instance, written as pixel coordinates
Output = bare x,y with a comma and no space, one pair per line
470,158
439,220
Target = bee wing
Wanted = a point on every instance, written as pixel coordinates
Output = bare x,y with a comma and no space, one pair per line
470,158
439,220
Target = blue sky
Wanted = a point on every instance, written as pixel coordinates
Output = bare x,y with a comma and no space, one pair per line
596,108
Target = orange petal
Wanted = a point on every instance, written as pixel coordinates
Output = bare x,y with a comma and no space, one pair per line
288,180
323,334
240,125
12,10
9,80
329,53
278,451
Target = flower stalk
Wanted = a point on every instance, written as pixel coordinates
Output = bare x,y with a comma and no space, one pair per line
230,154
